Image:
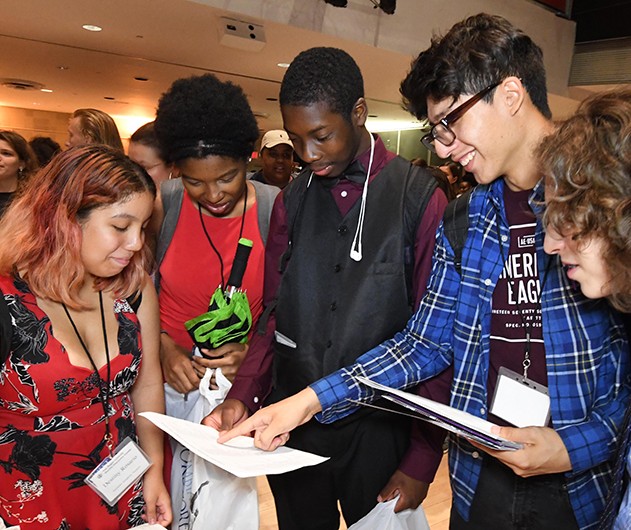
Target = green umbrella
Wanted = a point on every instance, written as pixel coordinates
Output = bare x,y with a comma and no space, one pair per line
228,318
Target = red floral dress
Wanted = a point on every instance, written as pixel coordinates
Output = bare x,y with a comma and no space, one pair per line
52,423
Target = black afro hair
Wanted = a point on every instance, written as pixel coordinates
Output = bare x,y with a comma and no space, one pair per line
201,116
328,75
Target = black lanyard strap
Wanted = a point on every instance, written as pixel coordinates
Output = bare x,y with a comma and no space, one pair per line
104,386
212,245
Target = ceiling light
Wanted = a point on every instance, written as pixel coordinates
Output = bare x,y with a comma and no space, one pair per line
92,27
283,65
45,90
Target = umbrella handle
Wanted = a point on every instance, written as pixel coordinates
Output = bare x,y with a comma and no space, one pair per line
244,247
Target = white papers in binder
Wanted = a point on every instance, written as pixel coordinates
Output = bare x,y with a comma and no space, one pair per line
457,421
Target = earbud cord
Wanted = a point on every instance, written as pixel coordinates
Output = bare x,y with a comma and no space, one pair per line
356,247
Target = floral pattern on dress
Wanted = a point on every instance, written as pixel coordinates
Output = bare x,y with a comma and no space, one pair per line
52,423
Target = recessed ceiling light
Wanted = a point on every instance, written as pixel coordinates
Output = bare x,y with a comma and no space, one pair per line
271,99
92,27
62,67
109,98
46,90
283,65
141,78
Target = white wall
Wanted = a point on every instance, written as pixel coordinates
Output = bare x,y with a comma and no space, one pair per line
410,29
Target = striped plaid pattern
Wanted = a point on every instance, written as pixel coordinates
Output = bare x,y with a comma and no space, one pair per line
586,352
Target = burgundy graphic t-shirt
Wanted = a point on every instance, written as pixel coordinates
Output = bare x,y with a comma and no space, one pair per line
516,306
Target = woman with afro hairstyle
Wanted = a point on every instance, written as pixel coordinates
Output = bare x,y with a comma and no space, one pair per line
207,129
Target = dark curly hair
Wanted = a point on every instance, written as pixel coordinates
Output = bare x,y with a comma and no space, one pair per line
328,75
201,116
44,148
587,165
474,54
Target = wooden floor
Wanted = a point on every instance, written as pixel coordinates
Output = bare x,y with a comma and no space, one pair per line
436,505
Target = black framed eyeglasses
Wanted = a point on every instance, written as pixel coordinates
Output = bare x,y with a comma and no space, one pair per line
442,132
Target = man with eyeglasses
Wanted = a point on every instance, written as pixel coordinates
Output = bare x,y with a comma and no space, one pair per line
508,321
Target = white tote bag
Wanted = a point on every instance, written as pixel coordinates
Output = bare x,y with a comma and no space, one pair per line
203,495
382,517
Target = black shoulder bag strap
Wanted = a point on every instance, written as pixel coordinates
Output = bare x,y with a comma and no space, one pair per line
456,226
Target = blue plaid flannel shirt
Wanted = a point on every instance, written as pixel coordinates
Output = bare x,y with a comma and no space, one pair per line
586,352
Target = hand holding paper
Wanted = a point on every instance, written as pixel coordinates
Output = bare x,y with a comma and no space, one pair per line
240,457
543,451
271,425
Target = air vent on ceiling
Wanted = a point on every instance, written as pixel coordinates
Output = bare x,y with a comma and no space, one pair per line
21,84
241,34
601,63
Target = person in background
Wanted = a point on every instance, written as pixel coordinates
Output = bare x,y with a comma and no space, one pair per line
44,148
443,182
465,183
439,175
419,162
93,126
508,308
206,127
145,150
454,172
17,163
353,235
587,164
82,355
277,158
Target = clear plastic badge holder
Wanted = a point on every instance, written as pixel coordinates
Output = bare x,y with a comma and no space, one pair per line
117,473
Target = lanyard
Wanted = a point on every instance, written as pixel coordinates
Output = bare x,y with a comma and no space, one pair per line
104,386
527,327
201,220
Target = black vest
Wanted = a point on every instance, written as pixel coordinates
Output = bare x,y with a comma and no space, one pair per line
332,307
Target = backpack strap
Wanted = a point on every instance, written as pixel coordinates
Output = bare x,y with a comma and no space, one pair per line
265,197
171,194
456,226
6,329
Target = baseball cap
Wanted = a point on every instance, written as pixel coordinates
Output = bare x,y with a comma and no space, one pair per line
275,137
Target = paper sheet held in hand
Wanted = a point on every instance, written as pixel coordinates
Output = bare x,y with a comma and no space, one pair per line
238,456
451,419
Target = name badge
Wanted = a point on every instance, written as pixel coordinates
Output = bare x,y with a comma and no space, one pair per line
116,474
520,401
